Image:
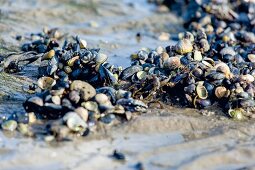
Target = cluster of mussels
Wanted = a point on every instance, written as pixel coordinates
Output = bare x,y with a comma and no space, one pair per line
212,63
77,89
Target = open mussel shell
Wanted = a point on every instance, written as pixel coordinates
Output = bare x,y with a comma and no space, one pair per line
201,91
46,82
221,92
236,114
223,68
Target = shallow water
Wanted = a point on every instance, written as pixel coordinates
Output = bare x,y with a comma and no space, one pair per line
160,139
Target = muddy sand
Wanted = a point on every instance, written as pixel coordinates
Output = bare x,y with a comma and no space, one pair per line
173,138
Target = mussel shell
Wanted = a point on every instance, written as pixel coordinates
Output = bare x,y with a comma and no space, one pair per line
52,66
49,55
197,72
209,87
228,50
109,91
247,103
142,55
33,104
129,71
242,95
190,89
203,103
215,76
107,119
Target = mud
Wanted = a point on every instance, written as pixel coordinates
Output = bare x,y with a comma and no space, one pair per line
173,138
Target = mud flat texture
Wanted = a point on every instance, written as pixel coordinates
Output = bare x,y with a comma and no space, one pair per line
172,138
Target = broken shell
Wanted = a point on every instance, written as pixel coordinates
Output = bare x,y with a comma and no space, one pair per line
236,114
9,125
87,91
46,82
24,129
31,117
183,46
221,92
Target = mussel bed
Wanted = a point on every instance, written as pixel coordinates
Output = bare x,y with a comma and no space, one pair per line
213,63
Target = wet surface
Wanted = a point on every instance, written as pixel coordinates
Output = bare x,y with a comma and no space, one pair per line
160,139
